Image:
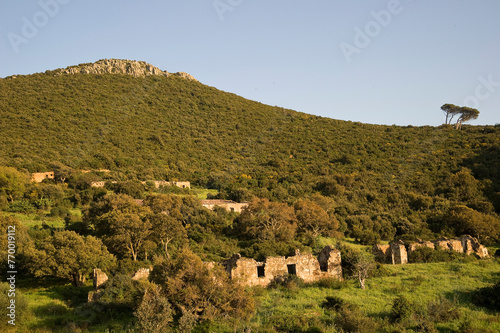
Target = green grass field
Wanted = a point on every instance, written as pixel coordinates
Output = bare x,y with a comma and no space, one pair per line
52,309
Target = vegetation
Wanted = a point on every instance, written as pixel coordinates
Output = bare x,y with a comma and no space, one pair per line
309,182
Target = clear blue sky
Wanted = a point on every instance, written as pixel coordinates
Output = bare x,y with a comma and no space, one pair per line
333,58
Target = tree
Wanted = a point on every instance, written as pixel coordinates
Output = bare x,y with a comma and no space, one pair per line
123,224
356,264
67,254
465,114
314,219
155,313
363,265
450,110
12,182
167,229
201,290
166,219
268,220
61,171
464,220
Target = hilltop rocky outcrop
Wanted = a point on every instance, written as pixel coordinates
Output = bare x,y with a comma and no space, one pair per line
120,66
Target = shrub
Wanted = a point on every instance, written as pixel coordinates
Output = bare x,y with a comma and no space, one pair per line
288,281
401,309
488,297
428,255
293,323
351,319
59,211
330,283
155,313
443,310
333,303
21,206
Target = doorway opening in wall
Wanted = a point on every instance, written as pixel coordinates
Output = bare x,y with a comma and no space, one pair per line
323,266
260,271
292,269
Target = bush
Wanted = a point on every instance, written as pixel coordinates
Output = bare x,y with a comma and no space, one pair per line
333,303
401,309
330,283
443,310
21,206
428,255
488,297
351,319
293,323
59,211
288,281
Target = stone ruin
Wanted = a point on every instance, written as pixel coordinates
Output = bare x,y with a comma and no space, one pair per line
398,252
99,278
142,273
250,272
229,205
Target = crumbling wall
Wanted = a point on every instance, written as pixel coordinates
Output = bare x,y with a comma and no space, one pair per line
98,278
38,177
226,204
472,245
142,273
414,246
309,268
382,253
398,252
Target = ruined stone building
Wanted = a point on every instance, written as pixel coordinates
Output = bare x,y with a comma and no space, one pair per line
230,206
250,272
398,252
38,177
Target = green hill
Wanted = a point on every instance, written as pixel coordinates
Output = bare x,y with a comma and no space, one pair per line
145,123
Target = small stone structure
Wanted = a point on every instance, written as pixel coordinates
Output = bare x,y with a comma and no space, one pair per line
382,253
164,183
229,205
98,184
142,273
399,255
99,278
397,252
250,272
38,177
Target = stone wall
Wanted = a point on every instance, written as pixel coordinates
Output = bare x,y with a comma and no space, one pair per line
309,268
38,177
142,273
99,278
230,206
397,253
382,253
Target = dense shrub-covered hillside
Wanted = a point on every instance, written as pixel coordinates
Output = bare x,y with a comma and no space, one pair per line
384,180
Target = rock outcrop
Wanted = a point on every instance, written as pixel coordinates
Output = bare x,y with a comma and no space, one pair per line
120,66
